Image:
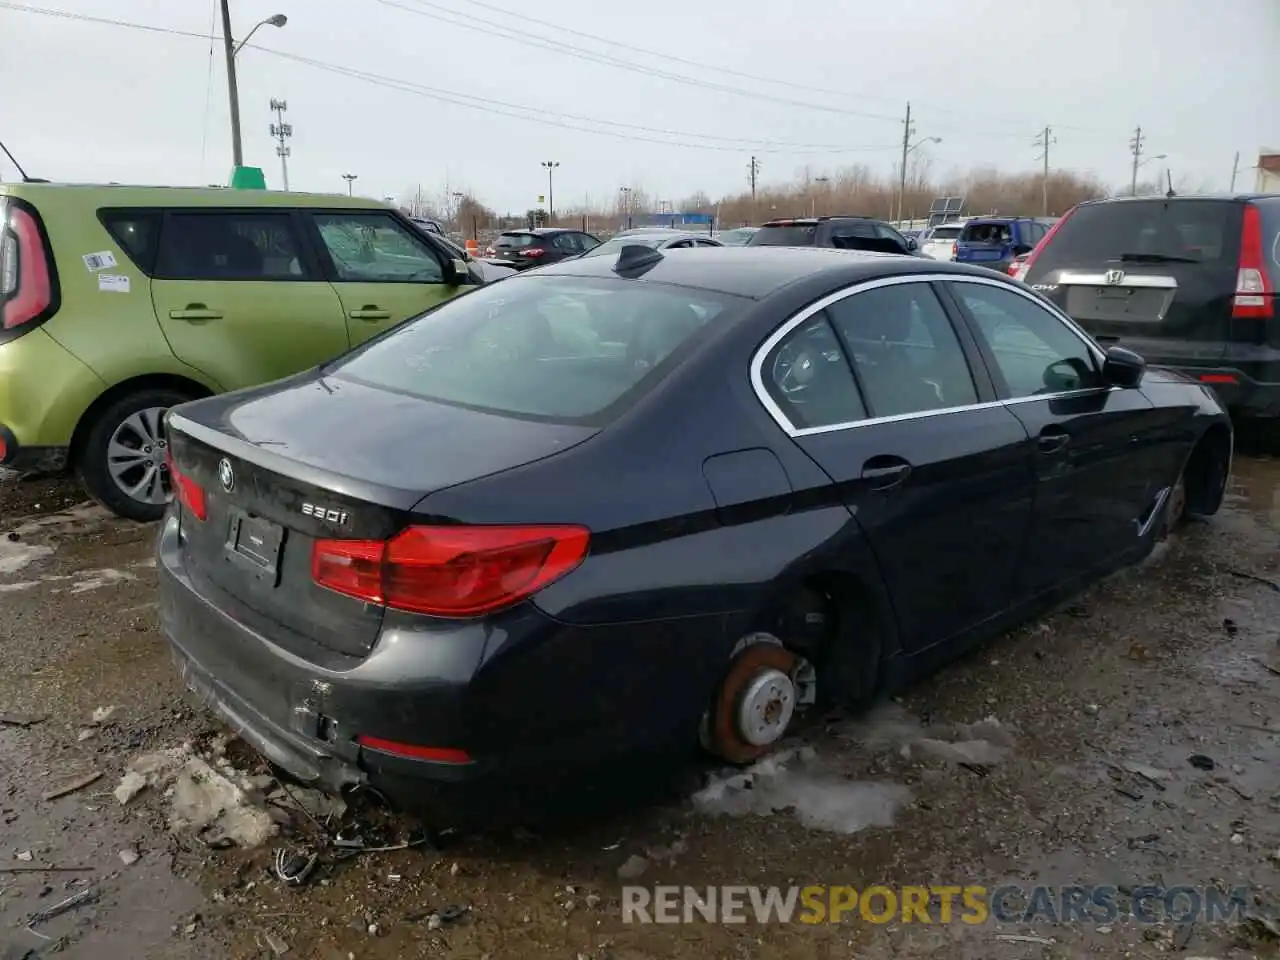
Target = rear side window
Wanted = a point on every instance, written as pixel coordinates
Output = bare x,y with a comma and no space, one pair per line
230,245
1170,230
908,357
560,349
987,233
809,380
800,235
514,241
137,233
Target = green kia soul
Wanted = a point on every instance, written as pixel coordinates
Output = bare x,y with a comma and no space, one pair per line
119,302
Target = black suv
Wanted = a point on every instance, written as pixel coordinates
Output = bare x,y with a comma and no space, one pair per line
842,233
532,248
1188,282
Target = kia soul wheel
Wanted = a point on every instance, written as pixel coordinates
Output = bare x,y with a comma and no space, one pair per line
124,461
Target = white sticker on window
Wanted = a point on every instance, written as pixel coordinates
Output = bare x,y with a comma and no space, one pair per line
94,262
111,283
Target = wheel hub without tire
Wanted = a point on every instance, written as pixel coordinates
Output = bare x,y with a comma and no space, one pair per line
756,702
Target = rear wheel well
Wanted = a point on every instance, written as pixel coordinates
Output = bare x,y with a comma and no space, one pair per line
155,381
834,620
1206,470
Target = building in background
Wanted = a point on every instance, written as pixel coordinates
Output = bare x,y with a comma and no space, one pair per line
1268,172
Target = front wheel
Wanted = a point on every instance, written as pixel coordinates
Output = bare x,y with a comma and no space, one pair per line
123,463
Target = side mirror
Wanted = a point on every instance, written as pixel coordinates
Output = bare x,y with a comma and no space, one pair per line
1123,368
912,244
459,272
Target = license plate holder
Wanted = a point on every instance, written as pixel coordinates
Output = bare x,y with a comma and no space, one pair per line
254,544
1113,293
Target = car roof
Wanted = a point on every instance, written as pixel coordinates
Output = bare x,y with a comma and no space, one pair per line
113,194
1225,197
807,221
757,272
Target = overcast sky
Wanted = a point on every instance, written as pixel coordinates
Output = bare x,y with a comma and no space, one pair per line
709,83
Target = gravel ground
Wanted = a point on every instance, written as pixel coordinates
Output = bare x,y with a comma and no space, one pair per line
1175,658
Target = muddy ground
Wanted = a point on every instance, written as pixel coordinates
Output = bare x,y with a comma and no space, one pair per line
1175,658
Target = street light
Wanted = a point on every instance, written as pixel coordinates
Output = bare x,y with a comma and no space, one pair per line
350,178
902,181
626,203
551,191
230,48
813,200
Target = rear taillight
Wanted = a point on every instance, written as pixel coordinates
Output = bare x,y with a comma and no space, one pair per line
26,280
1253,297
1025,267
532,252
189,493
450,571
955,250
1018,267
489,252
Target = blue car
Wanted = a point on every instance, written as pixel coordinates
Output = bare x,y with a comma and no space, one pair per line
994,242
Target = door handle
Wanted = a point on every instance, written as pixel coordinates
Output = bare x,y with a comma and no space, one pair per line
1052,439
195,311
370,311
885,471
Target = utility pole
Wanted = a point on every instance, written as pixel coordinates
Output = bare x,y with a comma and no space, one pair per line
551,190
1043,141
228,48
1235,169
753,171
908,132
1135,147
282,132
350,178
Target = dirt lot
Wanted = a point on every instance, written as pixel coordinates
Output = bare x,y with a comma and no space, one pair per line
1176,658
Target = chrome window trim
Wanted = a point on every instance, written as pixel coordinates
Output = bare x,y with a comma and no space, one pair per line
807,313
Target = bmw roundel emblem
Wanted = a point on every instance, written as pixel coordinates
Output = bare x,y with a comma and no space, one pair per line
226,475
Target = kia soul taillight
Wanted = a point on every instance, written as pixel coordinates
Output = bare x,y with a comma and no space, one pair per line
27,284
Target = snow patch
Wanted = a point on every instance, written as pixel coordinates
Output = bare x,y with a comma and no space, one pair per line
796,781
15,555
217,802
96,579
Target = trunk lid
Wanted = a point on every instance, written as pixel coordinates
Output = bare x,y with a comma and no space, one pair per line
355,462
1155,275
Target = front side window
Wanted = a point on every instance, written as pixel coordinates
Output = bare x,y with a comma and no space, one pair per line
1035,352
375,248
906,353
808,377
562,349
229,246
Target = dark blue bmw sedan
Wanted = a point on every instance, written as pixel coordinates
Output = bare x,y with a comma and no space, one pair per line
619,505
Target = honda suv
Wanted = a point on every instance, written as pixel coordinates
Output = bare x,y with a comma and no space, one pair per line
1189,282
119,302
842,233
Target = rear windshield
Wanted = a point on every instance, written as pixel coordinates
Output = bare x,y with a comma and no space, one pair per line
986,233
516,240
800,235
561,349
945,233
614,245
1202,231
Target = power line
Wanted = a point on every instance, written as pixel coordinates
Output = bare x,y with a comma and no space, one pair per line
503,108
488,105
107,21
488,28
469,21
